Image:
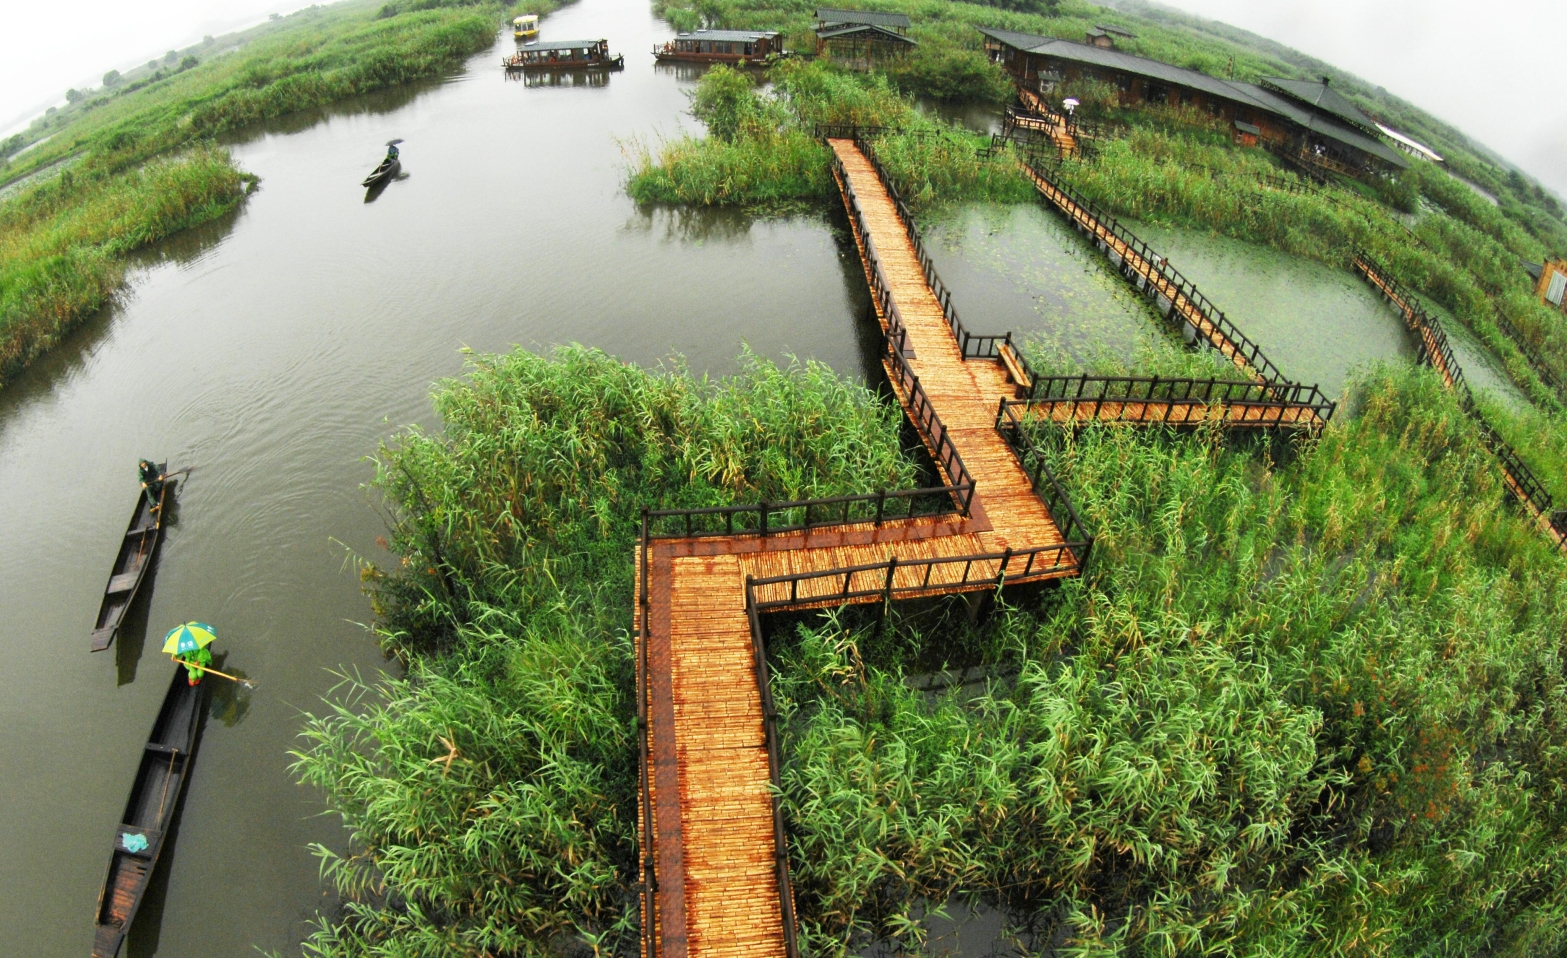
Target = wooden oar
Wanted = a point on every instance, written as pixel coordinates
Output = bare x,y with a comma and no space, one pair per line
247,683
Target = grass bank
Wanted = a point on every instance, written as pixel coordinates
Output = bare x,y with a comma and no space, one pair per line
63,248
1310,705
761,149
133,167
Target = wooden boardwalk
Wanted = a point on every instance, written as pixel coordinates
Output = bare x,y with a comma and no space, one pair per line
708,829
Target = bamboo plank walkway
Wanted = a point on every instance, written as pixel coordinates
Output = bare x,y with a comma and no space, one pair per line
708,824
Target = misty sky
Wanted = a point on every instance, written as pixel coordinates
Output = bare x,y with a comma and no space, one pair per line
1496,70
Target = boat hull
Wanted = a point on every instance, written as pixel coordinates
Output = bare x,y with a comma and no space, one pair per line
383,172
149,813
130,566
610,63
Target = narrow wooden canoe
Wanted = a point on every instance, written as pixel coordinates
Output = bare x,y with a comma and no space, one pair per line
386,170
130,566
139,838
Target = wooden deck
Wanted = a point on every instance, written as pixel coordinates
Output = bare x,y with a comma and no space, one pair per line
1179,413
710,831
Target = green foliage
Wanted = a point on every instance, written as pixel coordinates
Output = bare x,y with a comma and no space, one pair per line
762,149
727,102
63,243
491,794
1291,709
945,72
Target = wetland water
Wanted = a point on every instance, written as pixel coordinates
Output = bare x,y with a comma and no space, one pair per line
273,351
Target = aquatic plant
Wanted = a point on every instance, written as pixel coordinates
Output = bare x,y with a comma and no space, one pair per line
762,148
62,249
1302,707
490,794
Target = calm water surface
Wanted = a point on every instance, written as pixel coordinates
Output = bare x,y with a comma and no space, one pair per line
272,352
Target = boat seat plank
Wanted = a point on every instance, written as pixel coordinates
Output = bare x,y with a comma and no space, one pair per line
124,582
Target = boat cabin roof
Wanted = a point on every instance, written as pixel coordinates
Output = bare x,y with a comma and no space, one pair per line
561,44
730,36
527,18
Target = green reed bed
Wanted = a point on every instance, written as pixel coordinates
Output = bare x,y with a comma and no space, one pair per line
761,148
63,250
510,605
1311,706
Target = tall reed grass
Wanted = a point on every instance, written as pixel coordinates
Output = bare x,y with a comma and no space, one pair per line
761,149
1309,705
62,250
510,605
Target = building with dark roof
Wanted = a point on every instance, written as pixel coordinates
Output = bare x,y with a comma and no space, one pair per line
1307,122
860,39
828,18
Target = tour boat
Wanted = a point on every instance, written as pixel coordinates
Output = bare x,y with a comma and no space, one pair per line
722,46
563,55
525,27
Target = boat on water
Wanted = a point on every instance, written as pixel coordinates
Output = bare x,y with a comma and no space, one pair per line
144,825
722,46
525,27
384,172
563,55
130,564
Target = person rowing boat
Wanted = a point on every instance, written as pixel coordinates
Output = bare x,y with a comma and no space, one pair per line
151,482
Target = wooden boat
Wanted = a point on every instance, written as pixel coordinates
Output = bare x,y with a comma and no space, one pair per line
139,838
722,46
563,55
130,566
384,172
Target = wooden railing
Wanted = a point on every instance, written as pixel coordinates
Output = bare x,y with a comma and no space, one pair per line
1541,367
649,877
1261,404
1435,349
1158,279
879,580
1044,482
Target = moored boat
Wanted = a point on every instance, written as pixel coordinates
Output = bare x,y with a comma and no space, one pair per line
563,55
525,27
144,825
722,46
130,565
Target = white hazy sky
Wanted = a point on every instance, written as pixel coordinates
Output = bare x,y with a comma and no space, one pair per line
1495,70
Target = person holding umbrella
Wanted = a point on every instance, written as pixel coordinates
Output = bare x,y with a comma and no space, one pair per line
187,645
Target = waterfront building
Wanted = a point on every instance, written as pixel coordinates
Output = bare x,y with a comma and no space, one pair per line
860,39
1307,122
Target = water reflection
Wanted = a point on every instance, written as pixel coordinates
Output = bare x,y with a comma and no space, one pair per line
682,70
379,186
561,78
1020,268
227,701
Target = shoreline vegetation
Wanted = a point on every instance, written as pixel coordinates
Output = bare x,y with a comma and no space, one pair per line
142,163
1307,697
